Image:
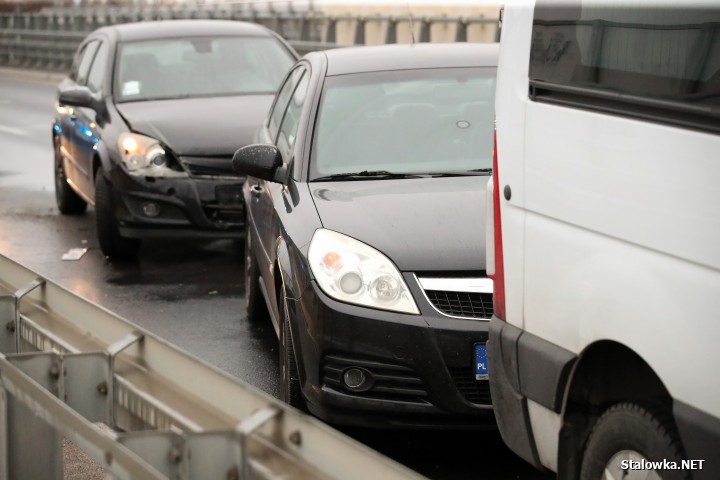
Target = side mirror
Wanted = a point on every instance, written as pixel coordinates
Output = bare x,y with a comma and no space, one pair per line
259,160
78,97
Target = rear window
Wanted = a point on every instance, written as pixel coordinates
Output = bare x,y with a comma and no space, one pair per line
653,59
196,67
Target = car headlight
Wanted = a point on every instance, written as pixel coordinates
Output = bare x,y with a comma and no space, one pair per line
144,156
353,272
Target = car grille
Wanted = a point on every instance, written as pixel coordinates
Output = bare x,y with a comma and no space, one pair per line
391,382
202,167
462,304
474,391
225,214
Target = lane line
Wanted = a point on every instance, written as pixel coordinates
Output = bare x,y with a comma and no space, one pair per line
13,130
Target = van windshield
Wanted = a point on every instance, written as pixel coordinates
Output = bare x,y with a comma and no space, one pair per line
406,122
199,67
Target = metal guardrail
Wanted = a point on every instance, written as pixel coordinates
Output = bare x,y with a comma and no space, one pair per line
47,40
71,369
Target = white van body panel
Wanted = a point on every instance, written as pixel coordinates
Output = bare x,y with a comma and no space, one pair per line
612,232
513,75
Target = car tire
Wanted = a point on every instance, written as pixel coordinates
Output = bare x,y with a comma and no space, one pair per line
68,202
255,305
290,389
112,244
627,431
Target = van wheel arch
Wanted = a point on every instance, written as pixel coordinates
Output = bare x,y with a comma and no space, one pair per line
606,373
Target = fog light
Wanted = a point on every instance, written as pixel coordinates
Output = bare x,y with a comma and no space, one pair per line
151,209
357,379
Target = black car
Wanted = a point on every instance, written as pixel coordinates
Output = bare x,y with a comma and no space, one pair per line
148,120
365,240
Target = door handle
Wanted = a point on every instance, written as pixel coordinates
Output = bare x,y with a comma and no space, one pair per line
256,190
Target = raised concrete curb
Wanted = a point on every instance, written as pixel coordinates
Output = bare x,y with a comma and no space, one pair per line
40,76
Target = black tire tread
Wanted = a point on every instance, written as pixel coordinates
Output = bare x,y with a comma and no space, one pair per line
291,389
112,244
257,310
658,420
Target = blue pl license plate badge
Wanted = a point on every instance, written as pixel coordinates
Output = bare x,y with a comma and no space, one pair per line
481,369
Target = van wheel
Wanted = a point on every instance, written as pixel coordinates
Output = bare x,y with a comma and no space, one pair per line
254,301
290,390
627,433
68,202
112,244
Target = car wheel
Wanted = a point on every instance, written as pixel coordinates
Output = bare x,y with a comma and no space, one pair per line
112,244
68,202
254,301
624,436
290,391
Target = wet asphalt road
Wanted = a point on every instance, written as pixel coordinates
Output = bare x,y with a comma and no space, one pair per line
188,292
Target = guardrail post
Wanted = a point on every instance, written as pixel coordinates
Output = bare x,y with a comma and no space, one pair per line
391,30
424,30
26,433
8,324
331,32
246,428
304,28
461,31
112,352
18,297
359,31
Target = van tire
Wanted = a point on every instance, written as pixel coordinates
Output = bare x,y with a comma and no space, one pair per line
112,244
627,426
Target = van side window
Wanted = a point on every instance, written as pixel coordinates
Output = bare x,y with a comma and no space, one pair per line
659,63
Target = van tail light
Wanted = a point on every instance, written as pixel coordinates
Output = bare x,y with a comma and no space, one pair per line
494,249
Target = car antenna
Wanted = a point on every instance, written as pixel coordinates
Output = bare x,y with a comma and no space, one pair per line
412,26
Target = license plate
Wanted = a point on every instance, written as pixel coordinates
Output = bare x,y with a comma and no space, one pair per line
481,369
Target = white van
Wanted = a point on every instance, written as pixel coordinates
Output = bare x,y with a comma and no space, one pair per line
604,237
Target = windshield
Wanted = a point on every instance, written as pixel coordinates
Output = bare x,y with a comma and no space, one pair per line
406,122
199,67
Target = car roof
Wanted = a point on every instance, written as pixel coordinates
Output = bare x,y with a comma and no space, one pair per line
128,32
342,61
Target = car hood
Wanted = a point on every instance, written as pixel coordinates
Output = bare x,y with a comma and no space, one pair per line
428,224
207,126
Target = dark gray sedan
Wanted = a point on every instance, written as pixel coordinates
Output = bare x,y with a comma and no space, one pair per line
365,239
148,120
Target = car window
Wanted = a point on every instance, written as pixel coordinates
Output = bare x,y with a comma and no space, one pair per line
99,67
199,67
82,62
406,121
291,120
282,99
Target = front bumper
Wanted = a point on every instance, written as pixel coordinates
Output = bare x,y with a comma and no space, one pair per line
422,365
203,207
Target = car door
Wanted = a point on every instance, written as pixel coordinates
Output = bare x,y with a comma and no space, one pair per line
264,227
87,121
71,131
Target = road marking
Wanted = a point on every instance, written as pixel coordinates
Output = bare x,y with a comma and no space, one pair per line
13,130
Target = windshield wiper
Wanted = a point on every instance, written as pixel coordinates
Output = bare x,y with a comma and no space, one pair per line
481,170
366,175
